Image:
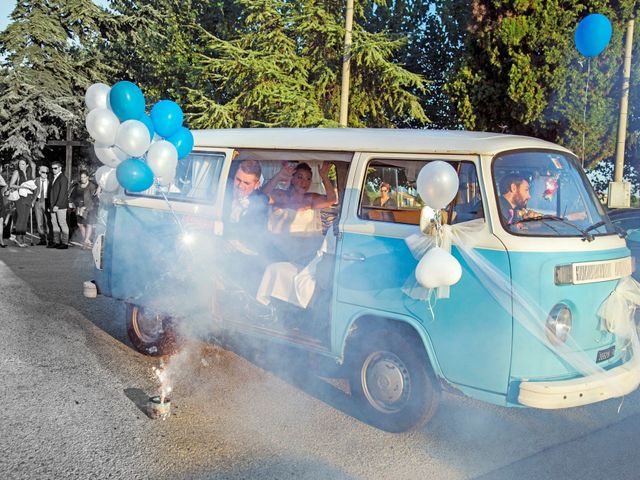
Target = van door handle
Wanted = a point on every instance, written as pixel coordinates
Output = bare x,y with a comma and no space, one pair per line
356,257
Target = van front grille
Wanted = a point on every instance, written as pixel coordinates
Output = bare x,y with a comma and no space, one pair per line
590,272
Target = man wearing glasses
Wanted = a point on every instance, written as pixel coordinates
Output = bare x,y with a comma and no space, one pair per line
41,206
59,201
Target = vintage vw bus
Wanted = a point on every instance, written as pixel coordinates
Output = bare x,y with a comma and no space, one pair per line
545,346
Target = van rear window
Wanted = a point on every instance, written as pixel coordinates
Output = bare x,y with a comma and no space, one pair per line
196,180
389,193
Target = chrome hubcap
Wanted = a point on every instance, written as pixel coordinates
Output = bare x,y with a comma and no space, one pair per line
148,326
386,382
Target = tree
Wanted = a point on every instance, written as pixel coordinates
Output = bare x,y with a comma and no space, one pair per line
520,72
429,49
50,58
282,68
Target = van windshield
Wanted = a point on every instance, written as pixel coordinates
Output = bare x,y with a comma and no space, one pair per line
545,193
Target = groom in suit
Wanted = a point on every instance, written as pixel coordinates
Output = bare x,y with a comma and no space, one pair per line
41,206
59,201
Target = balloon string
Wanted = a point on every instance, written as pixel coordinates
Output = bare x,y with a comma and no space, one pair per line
175,217
430,305
584,112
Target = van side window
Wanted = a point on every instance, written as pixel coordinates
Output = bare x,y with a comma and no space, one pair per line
389,193
196,179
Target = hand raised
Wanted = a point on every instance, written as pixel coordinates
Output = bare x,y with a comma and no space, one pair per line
324,169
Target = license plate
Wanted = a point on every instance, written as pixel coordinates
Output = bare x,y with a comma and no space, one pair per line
605,354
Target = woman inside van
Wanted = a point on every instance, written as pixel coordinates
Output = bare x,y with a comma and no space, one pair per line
295,212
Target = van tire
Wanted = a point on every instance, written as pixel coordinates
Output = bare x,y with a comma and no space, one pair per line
392,384
151,333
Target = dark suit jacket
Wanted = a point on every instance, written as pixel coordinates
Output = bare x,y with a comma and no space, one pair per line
59,192
39,188
252,225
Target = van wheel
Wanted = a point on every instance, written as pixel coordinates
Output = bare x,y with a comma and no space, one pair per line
392,384
151,333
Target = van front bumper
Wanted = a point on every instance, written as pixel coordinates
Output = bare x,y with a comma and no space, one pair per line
583,390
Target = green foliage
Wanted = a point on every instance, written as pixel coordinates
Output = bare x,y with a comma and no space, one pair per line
520,72
51,56
283,66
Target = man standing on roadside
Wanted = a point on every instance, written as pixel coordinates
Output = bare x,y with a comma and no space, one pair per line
41,206
59,201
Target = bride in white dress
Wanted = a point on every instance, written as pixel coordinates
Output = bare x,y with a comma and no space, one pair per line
295,214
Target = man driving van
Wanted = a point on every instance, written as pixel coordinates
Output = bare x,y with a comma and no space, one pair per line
514,196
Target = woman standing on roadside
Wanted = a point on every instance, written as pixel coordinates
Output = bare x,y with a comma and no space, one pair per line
3,213
20,176
83,198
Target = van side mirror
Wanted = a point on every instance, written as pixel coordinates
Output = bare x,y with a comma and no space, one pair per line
428,221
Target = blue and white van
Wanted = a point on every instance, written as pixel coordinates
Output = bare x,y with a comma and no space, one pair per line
398,351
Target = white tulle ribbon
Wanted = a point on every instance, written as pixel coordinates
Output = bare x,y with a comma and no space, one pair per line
462,235
616,312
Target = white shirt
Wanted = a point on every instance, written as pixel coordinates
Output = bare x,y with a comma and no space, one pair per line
238,207
44,184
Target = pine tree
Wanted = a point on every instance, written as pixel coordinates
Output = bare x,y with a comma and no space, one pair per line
283,67
159,47
428,50
50,58
520,72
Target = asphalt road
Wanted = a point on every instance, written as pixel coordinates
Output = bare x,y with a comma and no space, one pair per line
73,393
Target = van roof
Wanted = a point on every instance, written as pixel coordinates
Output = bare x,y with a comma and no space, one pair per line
369,140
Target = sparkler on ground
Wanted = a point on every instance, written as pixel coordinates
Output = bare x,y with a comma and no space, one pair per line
163,377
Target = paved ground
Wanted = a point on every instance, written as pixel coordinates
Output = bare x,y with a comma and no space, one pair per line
73,393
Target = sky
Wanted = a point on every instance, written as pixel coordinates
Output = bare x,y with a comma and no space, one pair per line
6,6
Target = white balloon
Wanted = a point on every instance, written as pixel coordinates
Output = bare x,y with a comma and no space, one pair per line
162,158
133,138
437,184
97,96
438,268
106,179
110,156
102,125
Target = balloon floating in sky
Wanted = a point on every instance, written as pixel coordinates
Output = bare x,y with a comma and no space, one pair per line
593,34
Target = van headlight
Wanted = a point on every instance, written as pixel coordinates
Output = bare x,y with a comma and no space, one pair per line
558,323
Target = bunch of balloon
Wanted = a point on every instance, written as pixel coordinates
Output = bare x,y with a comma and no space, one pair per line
136,149
592,36
437,185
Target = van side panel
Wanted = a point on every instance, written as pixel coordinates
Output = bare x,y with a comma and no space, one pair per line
144,259
470,332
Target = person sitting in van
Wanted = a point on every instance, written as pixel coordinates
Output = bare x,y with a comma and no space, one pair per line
385,200
514,196
294,218
245,219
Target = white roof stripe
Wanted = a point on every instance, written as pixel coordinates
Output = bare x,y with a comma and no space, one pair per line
369,140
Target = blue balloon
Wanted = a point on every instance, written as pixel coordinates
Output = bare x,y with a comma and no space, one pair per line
593,34
183,141
127,101
146,119
134,175
167,117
